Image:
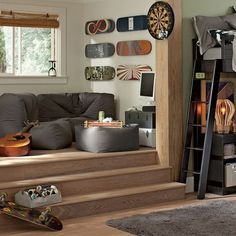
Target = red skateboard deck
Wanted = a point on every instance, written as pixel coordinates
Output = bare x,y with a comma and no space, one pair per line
133,48
99,26
131,72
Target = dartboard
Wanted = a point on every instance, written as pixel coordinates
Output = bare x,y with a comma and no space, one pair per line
160,20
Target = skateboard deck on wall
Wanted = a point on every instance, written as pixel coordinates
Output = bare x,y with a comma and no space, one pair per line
99,50
132,23
133,48
99,26
131,72
99,73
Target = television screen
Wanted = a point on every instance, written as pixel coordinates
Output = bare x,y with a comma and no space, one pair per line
147,86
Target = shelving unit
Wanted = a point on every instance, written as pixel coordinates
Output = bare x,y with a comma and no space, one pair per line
216,182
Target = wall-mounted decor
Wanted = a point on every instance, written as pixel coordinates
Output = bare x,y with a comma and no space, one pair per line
99,26
131,72
132,23
160,20
133,48
99,50
99,73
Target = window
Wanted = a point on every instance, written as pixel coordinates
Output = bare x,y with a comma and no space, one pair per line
31,36
26,51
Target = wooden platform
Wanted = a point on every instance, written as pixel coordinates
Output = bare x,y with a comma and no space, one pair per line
92,183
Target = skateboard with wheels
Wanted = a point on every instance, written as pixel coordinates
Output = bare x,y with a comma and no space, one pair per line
99,26
131,72
41,218
132,23
99,50
133,48
99,73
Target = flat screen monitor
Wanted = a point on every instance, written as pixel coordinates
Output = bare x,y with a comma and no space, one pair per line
147,86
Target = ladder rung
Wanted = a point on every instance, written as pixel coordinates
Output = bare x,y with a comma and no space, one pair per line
194,148
192,172
203,102
196,125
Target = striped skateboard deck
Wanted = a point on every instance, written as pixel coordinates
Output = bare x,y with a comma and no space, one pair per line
131,72
99,73
99,26
133,48
99,50
132,23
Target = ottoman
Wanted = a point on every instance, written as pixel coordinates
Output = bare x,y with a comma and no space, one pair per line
104,139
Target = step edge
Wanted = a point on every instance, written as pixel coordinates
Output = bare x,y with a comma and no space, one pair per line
31,160
82,176
116,193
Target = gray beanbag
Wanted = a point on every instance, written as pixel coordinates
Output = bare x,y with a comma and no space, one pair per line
52,135
102,139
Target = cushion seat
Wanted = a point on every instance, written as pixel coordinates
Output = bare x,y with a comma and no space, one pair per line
104,139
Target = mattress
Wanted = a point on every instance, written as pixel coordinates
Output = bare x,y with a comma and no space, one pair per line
212,54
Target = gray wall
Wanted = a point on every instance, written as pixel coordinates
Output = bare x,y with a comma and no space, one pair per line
193,8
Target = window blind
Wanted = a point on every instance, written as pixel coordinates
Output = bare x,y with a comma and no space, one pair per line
21,19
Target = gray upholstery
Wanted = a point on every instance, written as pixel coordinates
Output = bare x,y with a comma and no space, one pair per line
204,23
52,135
12,114
47,108
102,139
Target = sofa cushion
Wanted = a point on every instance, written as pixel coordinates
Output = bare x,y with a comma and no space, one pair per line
54,106
12,115
102,139
52,135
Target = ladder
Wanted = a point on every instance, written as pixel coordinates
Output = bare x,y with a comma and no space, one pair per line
196,141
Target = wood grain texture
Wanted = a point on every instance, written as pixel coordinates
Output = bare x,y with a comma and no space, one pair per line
169,96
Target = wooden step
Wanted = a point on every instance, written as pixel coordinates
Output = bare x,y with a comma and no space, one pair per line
69,161
90,204
95,181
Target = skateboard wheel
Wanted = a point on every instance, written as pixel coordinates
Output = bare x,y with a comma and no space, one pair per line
42,217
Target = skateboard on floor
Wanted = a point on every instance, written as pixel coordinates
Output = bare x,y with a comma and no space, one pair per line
131,72
99,73
133,48
99,50
132,23
99,26
41,218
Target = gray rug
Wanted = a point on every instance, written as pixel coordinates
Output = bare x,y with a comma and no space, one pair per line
217,218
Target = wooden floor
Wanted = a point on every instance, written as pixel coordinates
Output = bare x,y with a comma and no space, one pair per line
96,225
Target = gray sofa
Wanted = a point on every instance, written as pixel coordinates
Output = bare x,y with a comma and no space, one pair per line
57,114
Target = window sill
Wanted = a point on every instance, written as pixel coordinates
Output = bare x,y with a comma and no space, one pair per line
33,80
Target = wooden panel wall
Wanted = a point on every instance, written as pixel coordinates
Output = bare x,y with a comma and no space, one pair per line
169,95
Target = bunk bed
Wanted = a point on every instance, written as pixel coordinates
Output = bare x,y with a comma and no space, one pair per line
213,52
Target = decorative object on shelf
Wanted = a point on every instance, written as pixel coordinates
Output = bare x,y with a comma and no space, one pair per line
99,26
99,50
101,116
225,110
112,124
133,47
38,196
160,20
131,72
52,71
132,23
99,73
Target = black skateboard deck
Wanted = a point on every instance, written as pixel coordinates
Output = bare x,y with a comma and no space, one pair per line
41,218
132,23
99,26
99,73
99,50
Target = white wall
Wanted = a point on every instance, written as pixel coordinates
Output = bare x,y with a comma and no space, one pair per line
126,92
74,54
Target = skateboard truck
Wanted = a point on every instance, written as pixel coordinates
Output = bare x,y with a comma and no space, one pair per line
43,215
